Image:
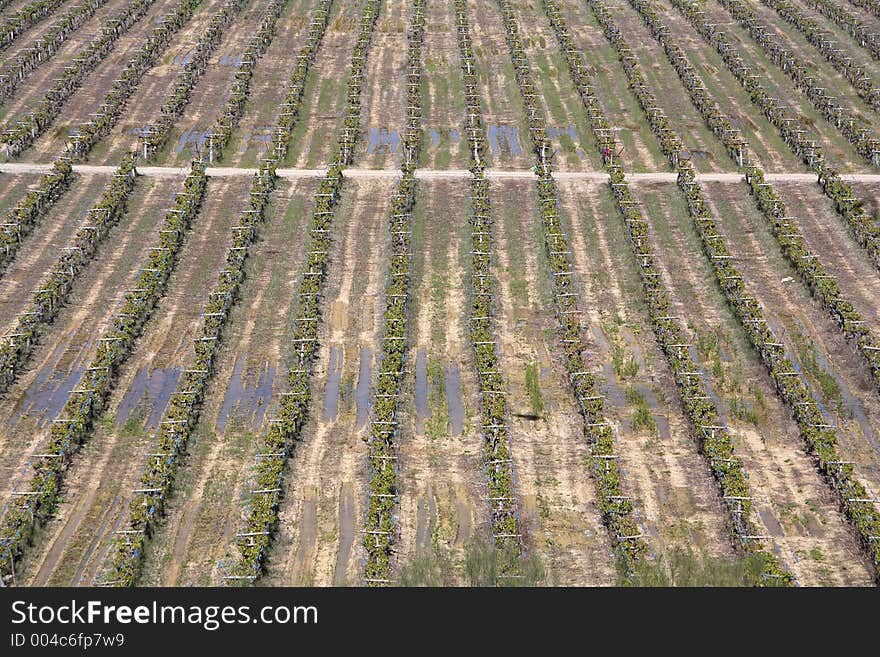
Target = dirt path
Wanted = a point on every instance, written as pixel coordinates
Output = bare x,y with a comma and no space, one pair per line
443,489
503,113
839,152
313,139
58,361
794,502
825,234
154,89
557,498
94,87
319,539
114,453
567,124
805,327
674,492
249,380
444,145
39,251
268,86
383,100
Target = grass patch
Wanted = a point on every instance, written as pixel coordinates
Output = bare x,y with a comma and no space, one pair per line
685,567
533,385
480,566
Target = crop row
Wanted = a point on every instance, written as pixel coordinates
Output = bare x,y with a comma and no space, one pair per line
862,227
847,123
54,292
41,496
379,531
21,219
46,46
260,514
56,287
708,427
494,410
182,413
872,6
232,111
819,436
155,134
26,130
812,272
17,23
862,34
126,83
825,43
85,402
618,511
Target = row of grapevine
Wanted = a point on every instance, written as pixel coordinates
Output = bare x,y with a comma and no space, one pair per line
56,287
846,122
232,111
181,416
22,134
260,514
812,271
819,436
494,411
55,290
16,24
25,512
861,33
87,400
154,136
872,6
617,509
21,219
860,224
379,531
707,425
15,71
824,42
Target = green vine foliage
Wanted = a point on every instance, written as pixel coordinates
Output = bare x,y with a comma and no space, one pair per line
379,531
819,437
618,511
706,423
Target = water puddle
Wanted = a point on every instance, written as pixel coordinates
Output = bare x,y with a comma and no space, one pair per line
230,60
435,138
634,347
308,534
383,138
463,521
560,131
504,139
260,138
423,409
454,135
770,522
700,155
453,399
247,395
191,137
47,394
331,392
362,392
426,517
660,418
184,59
347,522
150,389
850,402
